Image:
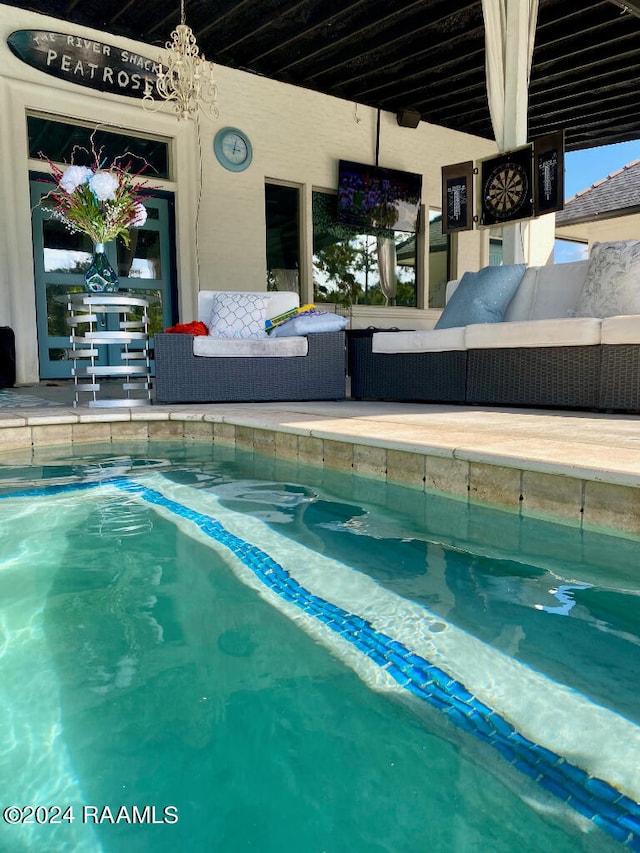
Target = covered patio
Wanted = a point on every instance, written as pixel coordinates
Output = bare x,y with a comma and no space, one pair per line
426,56
414,87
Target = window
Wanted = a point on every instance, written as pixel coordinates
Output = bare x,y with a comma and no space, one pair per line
352,267
495,251
58,141
282,214
566,251
438,260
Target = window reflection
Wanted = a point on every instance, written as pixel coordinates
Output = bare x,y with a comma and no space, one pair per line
154,311
63,260
351,267
438,260
64,251
62,141
71,252
57,313
282,216
142,258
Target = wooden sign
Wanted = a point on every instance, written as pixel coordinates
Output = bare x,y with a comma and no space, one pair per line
548,172
457,197
84,61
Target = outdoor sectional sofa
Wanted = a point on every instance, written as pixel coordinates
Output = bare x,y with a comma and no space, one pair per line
229,366
568,338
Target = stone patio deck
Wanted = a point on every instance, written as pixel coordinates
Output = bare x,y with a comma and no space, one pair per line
583,467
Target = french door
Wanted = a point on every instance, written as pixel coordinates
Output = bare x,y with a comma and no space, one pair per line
61,257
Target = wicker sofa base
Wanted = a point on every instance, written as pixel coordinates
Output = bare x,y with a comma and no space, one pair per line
562,377
620,384
559,377
182,377
414,377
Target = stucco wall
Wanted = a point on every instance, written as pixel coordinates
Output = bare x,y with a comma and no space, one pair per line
602,230
297,136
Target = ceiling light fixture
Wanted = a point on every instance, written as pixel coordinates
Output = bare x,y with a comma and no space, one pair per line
184,78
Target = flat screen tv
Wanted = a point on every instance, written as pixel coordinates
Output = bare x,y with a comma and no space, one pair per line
374,197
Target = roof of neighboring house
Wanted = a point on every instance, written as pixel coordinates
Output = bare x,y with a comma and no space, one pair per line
616,195
438,242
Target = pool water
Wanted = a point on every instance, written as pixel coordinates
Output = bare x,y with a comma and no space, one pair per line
231,641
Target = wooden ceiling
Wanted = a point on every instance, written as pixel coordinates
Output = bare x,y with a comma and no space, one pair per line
426,55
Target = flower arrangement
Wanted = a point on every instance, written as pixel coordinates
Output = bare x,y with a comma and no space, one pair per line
102,201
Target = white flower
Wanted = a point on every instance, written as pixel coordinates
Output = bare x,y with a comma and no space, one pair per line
140,216
74,176
104,186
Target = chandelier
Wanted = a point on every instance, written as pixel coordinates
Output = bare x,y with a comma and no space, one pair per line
184,77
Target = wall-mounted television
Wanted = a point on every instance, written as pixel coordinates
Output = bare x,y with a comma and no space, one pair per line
374,197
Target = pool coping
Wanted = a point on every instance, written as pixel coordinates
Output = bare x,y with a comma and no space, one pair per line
515,474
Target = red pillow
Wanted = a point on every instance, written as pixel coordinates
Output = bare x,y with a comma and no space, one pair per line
197,327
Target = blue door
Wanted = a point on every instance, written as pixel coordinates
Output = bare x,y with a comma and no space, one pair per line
147,267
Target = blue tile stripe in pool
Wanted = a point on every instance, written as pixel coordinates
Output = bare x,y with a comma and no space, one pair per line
595,799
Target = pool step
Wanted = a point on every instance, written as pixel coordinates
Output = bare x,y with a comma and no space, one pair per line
556,736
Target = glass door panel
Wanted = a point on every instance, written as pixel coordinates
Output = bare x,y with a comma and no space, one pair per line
352,267
61,257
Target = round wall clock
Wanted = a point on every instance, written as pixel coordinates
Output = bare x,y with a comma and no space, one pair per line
233,149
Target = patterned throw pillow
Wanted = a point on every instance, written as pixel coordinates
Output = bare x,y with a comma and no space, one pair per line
482,297
612,283
239,315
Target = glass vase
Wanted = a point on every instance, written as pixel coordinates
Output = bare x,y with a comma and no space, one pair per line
100,277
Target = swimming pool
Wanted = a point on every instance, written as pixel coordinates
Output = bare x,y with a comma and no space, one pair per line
232,652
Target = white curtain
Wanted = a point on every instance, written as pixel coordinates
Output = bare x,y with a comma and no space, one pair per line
387,268
510,30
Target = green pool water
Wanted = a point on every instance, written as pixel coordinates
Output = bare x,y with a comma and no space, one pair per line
138,668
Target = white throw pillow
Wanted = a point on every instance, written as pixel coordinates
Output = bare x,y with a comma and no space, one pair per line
239,315
612,283
306,324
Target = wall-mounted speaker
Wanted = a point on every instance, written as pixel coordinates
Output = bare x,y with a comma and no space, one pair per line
408,118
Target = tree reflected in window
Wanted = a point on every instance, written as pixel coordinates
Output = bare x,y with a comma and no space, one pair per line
355,268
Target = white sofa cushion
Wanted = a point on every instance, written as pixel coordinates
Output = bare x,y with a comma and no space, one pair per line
425,340
557,290
612,283
621,330
254,348
520,306
565,332
544,293
450,288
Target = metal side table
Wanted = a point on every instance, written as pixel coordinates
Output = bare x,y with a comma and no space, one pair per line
90,325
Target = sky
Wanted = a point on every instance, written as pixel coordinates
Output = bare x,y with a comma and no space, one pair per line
583,168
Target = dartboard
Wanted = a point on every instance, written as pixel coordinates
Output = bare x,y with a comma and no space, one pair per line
505,190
